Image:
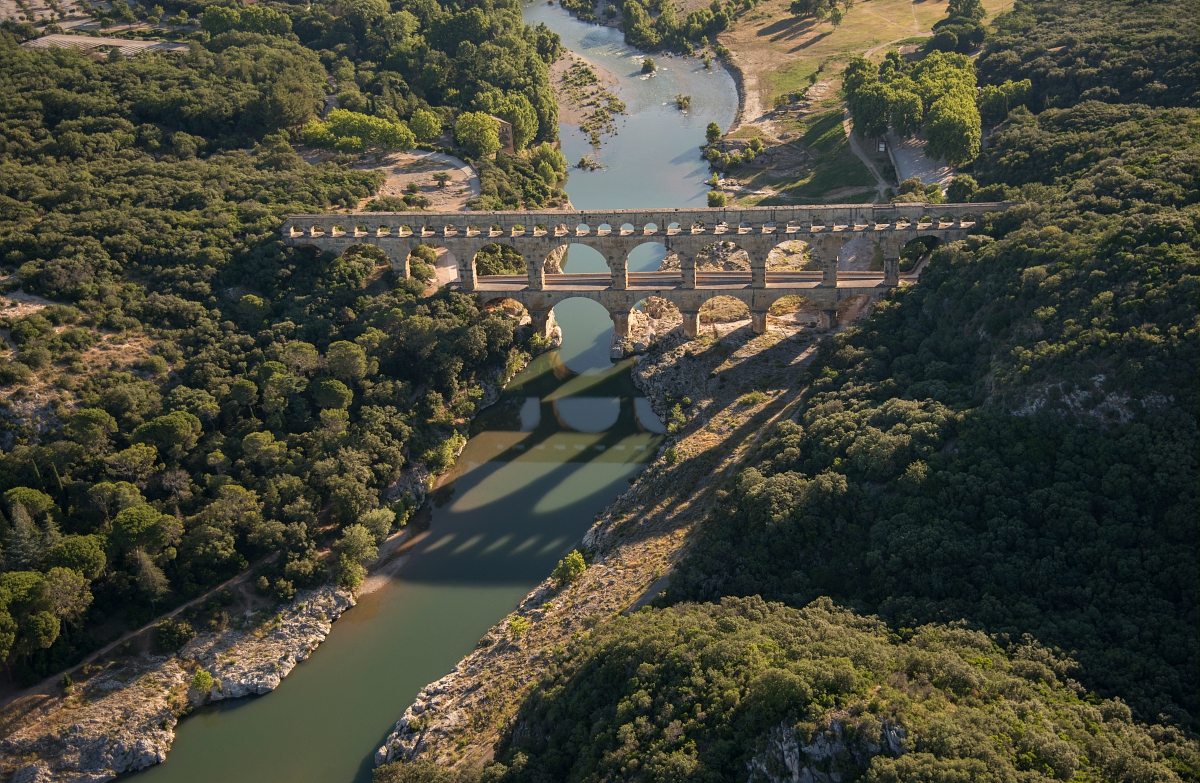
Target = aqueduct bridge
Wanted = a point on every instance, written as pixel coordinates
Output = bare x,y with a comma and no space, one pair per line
826,228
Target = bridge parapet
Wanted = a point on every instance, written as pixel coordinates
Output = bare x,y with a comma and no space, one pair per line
827,228
841,218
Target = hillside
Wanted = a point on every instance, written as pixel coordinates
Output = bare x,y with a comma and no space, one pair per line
180,394
1001,459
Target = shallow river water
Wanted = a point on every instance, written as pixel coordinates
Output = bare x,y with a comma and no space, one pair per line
568,436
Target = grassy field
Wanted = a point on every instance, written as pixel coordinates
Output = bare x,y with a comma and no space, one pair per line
783,52
834,173
779,54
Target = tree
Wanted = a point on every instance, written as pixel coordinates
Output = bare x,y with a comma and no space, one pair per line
426,125
67,593
174,434
33,501
355,548
953,128
833,10
379,521
569,568
112,496
478,134
84,554
149,577
91,426
905,112
144,527
962,188
301,357
870,106
712,133
346,361
966,9
23,544
332,393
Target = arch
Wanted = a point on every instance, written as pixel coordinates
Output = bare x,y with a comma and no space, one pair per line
860,254
626,229
723,309
498,259
582,229
583,350
584,258
650,229
651,318
792,255
651,255
722,255
604,229
796,307
673,227
912,251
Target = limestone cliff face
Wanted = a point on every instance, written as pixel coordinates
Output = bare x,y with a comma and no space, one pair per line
841,751
123,718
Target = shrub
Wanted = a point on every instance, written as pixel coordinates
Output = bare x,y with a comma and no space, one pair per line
569,568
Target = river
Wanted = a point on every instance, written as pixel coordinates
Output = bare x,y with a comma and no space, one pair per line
567,437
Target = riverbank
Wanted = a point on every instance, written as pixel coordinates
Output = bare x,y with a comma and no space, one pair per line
735,386
122,718
119,714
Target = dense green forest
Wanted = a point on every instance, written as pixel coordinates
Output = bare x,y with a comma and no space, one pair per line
1001,458
734,690
191,396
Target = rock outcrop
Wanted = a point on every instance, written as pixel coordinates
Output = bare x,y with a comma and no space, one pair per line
123,718
836,753
254,662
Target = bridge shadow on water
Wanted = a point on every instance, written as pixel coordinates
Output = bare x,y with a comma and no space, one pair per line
526,488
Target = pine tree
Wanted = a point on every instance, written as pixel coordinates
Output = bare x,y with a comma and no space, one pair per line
23,543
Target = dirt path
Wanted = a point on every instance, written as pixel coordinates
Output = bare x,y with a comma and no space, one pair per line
418,168
881,184
51,683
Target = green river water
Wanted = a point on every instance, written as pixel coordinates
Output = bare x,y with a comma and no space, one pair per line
568,436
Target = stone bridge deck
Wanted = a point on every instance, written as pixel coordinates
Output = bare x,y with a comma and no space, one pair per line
826,228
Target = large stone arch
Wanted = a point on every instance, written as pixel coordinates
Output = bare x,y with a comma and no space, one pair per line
612,254
860,253
724,308
652,250
649,318
913,248
498,258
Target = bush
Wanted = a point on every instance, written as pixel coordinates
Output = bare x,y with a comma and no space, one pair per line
172,634
569,568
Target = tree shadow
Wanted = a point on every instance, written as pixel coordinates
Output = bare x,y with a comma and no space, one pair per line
819,37
788,27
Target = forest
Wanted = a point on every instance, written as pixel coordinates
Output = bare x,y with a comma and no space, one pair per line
980,530
189,397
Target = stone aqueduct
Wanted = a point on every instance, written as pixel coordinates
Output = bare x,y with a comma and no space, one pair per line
614,234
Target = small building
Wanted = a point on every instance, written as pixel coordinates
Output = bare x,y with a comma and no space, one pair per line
507,145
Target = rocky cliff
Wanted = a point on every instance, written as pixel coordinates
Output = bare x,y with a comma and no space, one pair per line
123,718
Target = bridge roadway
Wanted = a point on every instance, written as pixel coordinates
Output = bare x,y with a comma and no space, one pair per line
541,237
